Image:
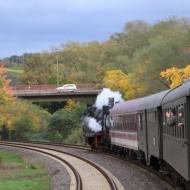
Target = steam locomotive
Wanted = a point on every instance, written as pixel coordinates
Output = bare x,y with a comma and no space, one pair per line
101,137
153,129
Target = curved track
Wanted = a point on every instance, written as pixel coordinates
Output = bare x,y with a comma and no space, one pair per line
88,175
133,162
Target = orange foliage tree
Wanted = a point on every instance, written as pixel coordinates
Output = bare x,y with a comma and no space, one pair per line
18,115
5,90
176,76
6,99
117,80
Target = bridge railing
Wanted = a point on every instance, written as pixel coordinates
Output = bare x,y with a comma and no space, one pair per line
46,88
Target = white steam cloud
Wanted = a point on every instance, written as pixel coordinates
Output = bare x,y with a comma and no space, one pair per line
93,124
103,98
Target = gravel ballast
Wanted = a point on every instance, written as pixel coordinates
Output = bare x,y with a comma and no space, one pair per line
132,177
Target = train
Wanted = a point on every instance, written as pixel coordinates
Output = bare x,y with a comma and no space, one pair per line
154,130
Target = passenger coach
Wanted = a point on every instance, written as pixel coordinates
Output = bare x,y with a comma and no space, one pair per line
176,129
157,129
141,122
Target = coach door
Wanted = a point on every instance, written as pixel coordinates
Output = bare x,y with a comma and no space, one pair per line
142,133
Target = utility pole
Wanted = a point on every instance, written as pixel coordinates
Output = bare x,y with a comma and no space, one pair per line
57,62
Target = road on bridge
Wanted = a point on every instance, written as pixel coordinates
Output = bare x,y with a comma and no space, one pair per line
49,93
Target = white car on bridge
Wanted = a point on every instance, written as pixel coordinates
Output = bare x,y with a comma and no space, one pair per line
67,88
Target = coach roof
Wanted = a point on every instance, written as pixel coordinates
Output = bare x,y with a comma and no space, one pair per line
139,104
181,91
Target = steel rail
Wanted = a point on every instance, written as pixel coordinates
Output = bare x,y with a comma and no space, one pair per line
82,147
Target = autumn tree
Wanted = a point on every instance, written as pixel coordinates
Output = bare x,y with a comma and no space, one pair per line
5,90
176,76
117,80
17,116
6,100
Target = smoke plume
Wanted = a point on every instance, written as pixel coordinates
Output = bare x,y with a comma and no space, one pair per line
93,124
94,114
103,98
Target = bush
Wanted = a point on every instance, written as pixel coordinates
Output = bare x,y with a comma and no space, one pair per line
35,136
1,161
22,126
65,122
76,137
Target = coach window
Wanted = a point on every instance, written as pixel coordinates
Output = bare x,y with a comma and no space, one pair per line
128,122
132,123
171,117
115,123
164,122
140,122
117,126
111,122
167,120
119,123
181,121
155,115
121,127
135,124
124,122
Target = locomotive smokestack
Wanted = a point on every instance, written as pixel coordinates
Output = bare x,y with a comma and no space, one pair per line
105,96
111,102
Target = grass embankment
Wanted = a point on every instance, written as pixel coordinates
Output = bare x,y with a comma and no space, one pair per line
16,70
17,174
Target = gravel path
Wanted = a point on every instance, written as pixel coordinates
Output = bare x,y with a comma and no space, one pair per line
60,179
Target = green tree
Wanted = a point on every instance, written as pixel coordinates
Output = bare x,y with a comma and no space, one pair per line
38,69
64,122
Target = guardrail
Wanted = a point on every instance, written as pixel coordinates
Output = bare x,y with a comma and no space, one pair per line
47,87
53,91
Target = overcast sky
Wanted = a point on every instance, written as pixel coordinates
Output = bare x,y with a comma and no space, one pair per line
37,25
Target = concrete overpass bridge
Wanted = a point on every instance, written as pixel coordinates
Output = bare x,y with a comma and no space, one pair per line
48,93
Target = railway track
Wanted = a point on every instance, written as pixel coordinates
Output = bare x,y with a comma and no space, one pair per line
83,147
87,174
132,162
